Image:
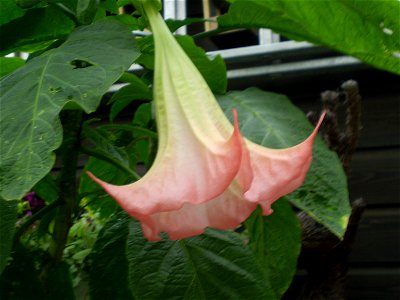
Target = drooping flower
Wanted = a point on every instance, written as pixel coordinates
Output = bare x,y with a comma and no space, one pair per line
204,174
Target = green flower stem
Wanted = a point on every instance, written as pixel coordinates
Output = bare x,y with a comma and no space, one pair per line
111,160
68,153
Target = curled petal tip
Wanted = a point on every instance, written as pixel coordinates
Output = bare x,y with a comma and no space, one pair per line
95,179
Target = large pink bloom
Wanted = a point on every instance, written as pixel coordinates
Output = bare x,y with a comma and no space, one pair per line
205,174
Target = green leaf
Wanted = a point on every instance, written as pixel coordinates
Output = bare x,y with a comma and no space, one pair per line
86,11
27,3
215,265
9,11
174,25
36,30
104,145
276,241
8,217
20,279
282,244
82,11
212,69
368,30
47,189
129,21
124,96
79,71
10,64
96,198
110,6
108,278
273,121
143,115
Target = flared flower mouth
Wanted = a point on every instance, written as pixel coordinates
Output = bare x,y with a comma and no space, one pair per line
205,174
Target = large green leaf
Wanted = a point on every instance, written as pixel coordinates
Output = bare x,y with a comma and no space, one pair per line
276,240
368,30
79,71
273,121
83,10
8,217
212,69
10,64
124,96
37,29
215,265
9,11
109,271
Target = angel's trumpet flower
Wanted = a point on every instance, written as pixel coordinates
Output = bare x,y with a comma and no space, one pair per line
203,173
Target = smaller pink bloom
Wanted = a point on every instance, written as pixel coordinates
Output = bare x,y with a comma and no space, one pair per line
277,172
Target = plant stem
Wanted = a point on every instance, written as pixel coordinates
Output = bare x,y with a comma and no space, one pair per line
68,153
206,34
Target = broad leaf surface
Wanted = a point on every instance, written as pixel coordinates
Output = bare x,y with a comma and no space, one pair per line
212,69
8,217
273,121
10,64
276,240
9,11
79,71
47,189
215,265
84,11
174,24
282,246
368,30
124,96
108,278
37,29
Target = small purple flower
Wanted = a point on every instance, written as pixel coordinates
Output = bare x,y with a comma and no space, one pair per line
35,202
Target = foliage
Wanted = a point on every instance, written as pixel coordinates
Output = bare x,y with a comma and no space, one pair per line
77,50
368,30
8,213
80,71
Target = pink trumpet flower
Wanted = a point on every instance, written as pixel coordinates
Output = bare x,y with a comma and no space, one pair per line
205,174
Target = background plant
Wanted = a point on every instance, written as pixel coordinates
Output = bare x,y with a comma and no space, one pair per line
77,51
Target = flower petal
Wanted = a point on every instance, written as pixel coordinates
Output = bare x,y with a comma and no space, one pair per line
187,173
227,211
278,172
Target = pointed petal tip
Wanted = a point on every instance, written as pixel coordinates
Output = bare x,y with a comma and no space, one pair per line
294,167
321,119
94,178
